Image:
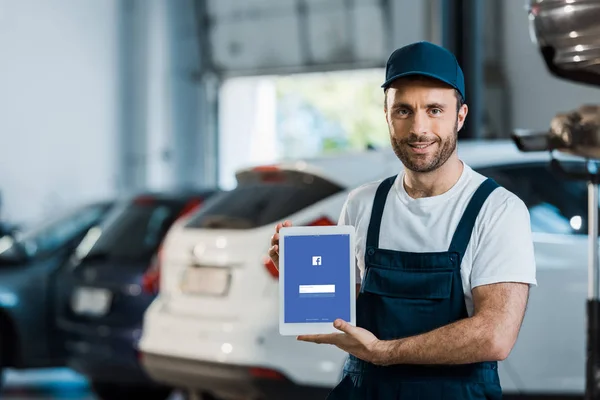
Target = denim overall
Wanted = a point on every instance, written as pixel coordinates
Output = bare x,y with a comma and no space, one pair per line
405,294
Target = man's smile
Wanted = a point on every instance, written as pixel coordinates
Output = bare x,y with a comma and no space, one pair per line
420,147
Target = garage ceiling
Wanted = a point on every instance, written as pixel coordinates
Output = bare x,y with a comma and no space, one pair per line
248,37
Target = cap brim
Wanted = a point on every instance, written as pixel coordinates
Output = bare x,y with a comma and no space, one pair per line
387,83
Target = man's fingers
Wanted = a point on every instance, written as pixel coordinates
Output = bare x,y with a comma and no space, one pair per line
344,326
286,223
274,255
275,239
320,339
274,251
310,338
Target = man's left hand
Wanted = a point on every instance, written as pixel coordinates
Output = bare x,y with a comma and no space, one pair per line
357,341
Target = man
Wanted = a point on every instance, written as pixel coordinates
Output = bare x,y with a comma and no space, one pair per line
445,255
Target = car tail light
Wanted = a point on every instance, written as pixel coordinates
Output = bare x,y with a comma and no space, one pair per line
191,207
271,268
323,221
270,173
265,373
268,263
266,168
151,279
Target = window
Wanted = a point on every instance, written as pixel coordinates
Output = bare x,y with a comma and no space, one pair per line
261,198
298,116
135,230
556,205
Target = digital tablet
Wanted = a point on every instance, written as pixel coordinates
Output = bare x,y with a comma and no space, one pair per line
317,281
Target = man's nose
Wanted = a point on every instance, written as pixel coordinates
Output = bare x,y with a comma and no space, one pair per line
420,122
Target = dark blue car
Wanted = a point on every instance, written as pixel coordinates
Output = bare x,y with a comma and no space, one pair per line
111,280
30,264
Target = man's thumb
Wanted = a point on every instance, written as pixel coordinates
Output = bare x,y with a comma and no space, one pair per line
343,326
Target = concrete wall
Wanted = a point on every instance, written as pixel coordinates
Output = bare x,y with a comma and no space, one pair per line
58,96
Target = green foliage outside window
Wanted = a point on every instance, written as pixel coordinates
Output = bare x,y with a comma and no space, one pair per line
330,112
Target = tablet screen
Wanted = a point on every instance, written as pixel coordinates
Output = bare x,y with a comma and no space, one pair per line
317,278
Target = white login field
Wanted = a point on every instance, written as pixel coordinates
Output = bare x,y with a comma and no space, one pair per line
316,289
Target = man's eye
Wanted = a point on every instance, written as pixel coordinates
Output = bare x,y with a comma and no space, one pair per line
403,111
436,111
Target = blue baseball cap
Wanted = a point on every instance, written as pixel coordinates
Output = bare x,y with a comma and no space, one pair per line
427,59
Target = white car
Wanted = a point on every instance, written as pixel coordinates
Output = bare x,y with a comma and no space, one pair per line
214,326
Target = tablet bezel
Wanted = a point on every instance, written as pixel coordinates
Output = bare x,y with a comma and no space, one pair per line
303,328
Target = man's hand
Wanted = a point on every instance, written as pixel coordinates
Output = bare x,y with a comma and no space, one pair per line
488,335
274,249
356,341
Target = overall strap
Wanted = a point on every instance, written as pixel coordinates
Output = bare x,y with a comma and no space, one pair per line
462,235
377,212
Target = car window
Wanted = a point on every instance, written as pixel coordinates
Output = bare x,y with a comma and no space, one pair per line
556,205
51,235
261,198
134,230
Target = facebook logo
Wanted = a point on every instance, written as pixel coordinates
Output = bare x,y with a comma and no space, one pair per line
316,260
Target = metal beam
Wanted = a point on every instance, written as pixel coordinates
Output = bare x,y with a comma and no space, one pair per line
131,143
193,114
210,83
462,33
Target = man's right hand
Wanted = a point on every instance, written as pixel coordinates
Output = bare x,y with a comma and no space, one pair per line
274,250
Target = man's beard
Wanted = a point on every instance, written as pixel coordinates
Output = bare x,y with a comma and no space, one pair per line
413,161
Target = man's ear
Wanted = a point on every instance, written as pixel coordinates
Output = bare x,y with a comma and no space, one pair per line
462,116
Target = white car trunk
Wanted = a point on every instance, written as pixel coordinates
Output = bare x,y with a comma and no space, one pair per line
214,267
214,274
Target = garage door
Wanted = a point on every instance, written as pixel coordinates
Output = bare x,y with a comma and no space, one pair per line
248,37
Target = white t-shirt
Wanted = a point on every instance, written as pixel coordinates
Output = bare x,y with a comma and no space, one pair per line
500,248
